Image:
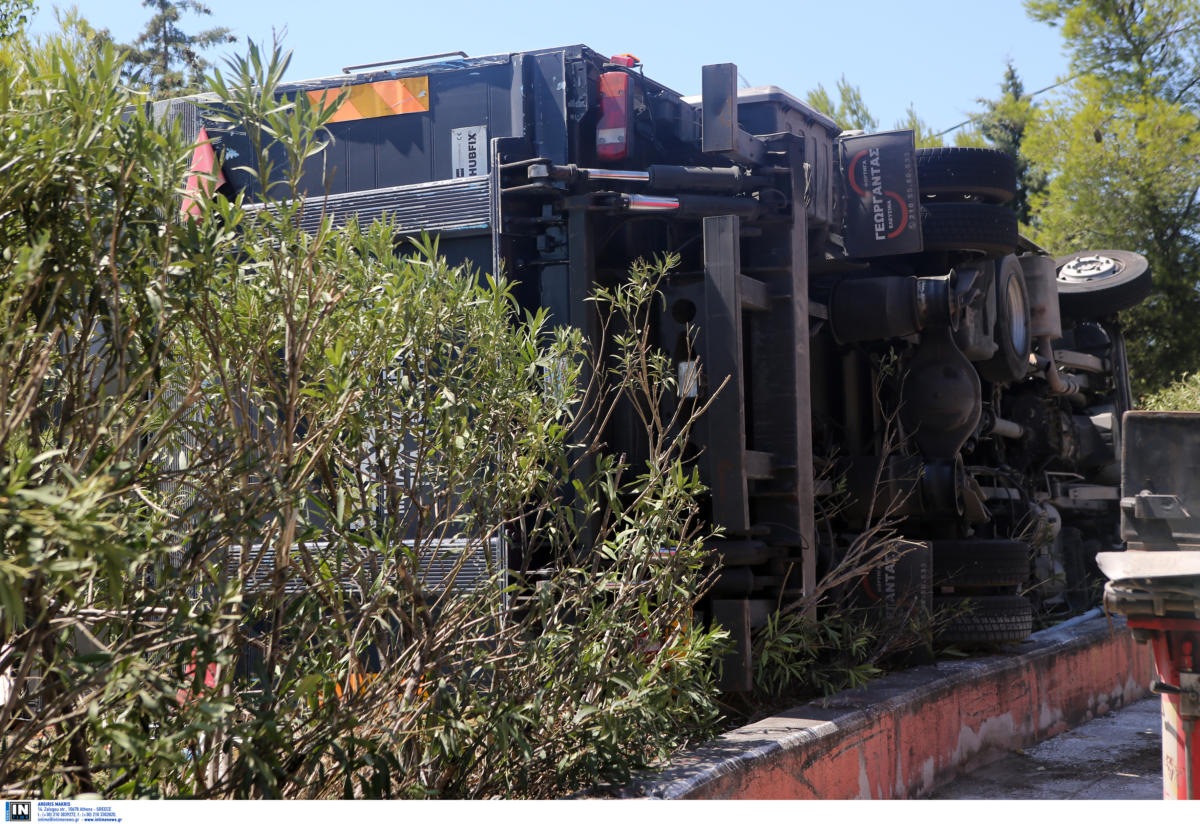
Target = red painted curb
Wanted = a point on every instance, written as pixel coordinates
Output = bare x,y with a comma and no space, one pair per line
909,732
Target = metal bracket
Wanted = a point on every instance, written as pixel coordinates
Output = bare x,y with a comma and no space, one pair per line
1093,492
754,294
1148,506
1081,361
721,132
1081,496
1188,692
1189,698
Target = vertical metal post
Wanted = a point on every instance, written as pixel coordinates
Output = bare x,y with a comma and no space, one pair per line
718,84
549,116
737,671
581,273
799,302
722,356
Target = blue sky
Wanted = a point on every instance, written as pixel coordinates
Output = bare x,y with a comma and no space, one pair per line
939,55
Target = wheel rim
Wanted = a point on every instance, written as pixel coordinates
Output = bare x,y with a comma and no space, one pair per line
1089,268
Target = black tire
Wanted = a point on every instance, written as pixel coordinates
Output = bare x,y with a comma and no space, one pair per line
1097,284
980,563
969,227
958,173
1012,331
984,619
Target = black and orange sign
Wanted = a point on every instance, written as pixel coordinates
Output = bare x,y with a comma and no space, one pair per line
882,202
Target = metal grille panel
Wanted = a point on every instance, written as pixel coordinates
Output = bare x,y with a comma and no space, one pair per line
358,567
443,206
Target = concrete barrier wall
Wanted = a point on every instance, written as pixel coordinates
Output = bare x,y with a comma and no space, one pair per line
910,731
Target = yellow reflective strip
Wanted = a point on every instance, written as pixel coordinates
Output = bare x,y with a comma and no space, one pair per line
323,97
326,97
346,112
386,97
416,98
367,100
392,93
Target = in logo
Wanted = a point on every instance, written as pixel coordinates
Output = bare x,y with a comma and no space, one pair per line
18,810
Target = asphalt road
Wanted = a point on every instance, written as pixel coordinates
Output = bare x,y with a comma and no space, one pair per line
1114,757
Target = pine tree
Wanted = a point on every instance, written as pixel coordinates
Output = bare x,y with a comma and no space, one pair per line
1003,126
924,136
1121,148
164,56
850,112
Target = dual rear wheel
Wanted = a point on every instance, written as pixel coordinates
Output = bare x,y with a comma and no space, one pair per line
985,576
962,195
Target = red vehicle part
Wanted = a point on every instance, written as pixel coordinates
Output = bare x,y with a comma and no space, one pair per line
614,131
1176,645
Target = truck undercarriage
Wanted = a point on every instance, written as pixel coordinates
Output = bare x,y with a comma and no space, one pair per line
884,342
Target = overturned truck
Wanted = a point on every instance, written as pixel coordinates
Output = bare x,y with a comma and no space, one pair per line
884,335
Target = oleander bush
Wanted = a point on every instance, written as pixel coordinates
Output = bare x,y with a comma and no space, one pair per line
1183,395
295,514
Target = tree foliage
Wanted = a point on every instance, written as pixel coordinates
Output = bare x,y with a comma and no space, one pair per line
1121,148
924,136
849,111
1002,126
1183,395
1136,48
166,57
14,16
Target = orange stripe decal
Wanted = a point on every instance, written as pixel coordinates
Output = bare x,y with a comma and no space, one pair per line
380,99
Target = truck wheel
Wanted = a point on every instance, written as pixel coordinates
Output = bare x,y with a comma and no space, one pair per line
1012,331
980,563
984,619
1097,284
969,227
964,173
